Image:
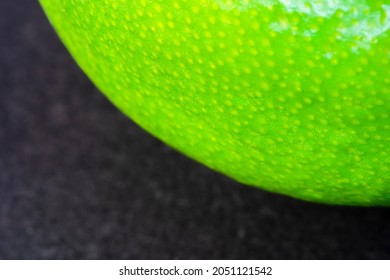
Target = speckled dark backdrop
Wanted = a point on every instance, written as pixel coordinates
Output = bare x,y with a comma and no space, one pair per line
78,180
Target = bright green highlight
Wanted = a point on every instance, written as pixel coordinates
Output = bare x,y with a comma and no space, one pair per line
289,96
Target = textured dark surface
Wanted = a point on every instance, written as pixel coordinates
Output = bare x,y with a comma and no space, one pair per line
78,180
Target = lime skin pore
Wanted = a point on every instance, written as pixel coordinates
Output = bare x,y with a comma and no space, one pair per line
288,96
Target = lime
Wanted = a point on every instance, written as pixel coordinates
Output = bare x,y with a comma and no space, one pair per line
289,96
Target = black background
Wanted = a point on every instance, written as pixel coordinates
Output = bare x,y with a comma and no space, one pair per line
78,180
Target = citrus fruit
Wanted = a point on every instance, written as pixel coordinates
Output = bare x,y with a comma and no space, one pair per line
290,96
